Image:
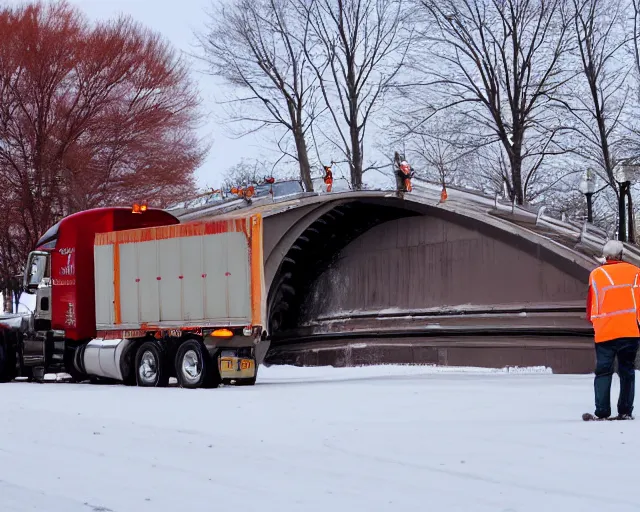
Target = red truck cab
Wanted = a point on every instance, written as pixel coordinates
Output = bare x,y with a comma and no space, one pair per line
60,272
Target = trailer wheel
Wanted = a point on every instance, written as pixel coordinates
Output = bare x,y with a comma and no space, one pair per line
151,366
194,367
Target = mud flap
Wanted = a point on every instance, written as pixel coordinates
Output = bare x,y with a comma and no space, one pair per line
234,366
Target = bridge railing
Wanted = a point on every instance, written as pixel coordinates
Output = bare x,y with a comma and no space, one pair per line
566,228
283,190
430,190
586,236
271,192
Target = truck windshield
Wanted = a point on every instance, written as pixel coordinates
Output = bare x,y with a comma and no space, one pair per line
37,269
50,236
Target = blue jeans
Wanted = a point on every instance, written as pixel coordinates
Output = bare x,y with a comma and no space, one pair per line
625,350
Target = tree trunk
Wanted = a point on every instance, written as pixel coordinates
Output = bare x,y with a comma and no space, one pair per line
356,158
303,160
516,177
396,168
7,301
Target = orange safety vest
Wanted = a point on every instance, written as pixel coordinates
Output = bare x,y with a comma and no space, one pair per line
612,301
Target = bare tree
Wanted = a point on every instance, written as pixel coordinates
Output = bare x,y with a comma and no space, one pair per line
258,46
441,149
245,173
502,61
636,38
597,101
357,49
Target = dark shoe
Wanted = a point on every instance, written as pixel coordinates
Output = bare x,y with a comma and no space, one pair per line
624,417
587,416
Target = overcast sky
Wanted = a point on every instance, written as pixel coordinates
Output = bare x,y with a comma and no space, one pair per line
177,21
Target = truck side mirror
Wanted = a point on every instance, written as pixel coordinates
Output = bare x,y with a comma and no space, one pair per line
35,270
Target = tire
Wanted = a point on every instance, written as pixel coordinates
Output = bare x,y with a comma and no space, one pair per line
194,366
70,357
27,373
3,363
151,366
128,367
7,360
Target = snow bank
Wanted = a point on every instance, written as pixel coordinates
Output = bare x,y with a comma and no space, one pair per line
273,373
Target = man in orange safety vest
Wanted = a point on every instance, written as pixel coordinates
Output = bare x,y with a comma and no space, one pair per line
612,303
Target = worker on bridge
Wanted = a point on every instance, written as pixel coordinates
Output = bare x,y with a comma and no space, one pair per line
612,308
328,177
404,173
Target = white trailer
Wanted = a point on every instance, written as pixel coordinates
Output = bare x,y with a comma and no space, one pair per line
184,300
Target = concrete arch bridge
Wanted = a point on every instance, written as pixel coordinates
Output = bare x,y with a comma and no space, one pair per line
369,277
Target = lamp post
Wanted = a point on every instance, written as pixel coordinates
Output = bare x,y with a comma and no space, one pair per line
623,173
588,187
631,169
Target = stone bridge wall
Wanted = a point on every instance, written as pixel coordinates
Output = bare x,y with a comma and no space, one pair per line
427,262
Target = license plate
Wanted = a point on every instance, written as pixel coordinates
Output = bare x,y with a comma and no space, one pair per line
237,367
246,364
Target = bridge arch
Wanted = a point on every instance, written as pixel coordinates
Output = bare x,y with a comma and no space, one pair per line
388,273
368,277
311,244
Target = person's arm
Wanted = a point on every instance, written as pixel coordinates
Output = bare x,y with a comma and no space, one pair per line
589,294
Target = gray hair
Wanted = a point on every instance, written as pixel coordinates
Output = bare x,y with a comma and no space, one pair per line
613,250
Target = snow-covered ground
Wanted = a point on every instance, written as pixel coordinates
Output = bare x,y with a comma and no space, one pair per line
318,439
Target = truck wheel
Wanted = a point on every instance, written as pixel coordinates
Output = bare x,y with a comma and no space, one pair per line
151,367
194,366
7,360
3,363
71,354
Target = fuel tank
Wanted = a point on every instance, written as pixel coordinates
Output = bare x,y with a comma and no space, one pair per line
107,358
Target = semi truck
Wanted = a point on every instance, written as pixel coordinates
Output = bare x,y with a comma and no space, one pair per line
134,296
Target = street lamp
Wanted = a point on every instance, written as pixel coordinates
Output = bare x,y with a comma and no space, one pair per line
623,173
588,187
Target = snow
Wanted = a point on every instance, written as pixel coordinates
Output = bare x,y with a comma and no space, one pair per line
319,439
